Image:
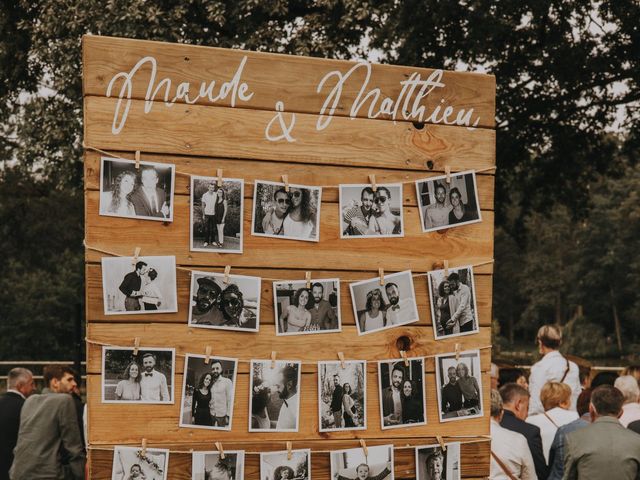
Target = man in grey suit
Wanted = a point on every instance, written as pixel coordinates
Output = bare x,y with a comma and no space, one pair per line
604,449
49,431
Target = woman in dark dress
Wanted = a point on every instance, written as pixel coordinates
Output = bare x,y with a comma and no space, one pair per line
348,407
412,411
221,215
201,398
459,212
443,307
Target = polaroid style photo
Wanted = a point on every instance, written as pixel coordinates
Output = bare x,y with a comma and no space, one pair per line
342,395
278,466
208,392
379,307
406,383
216,214
453,302
300,310
446,205
353,464
144,193
368,214
435,463
225,304
147,377
210,466
130,464
274,396
137,286
459,386
294,215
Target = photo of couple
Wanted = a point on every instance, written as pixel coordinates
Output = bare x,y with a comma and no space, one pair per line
402,398
231,304
459,385
216,214
130,464
368,213
143,378
445,203
139,285
354,464
342,388
274,396
453,302
278,465
292,213
144,192
301,310
436,463
211,466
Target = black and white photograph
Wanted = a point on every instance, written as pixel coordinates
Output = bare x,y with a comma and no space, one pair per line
208,392
301,310
342,390
278,466
233,304
367,213
353,464
378,307
130,464
144,193
147,377
139,285
445,204
435,463
274,396
216,214
293,214
210,466
402,395
459,385
453,302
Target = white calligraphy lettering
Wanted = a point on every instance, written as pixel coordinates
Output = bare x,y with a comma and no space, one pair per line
286,130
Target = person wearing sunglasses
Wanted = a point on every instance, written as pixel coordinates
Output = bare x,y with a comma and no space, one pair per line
273,221
299,222
384,222
232,306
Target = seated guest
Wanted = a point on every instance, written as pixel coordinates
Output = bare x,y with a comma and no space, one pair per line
604,449
628,386
515,401
633,370
635,426
602,378
556,399
510,455
512,375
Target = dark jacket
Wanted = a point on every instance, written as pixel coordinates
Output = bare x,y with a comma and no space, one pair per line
532,434
336,399
142,206
10,407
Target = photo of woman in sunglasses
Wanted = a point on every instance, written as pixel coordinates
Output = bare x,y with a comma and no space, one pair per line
292,214
368,213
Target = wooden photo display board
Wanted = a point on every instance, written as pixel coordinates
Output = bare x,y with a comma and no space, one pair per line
320,122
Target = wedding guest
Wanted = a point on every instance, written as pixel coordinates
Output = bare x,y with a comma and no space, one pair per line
153,384
400,310
437,214
323,316
628,386
443,308
122,188
412,411
556,452
459,212
348,407
374,316
129,388
287,387
148,199
200,411
392,398
232,306
207,298
462,315
451,394
221,215
131,285
336,402
151,297
357,217
208,201
633,370
273,221
300,219
512,375
384,221
468,385
221,396
362,473
296,317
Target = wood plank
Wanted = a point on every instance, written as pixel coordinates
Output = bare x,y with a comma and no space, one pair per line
95,306
273,77
466,245
237,133
474,458
305,174
113,423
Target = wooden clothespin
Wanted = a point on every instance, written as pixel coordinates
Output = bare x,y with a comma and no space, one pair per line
307,276
381,275
227,269
207,354
443,446
457,352
372,180
136,346
285,180
143,452
137,158
273,359
445,264
447,172
341,357
219,178
289,452
403,354
363,444
136,254
220,449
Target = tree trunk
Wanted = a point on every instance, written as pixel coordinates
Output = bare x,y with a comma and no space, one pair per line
616,319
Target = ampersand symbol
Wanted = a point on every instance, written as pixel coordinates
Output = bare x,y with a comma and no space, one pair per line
286,130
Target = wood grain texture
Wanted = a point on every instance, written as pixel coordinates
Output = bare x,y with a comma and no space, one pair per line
237,133
304,174
294,80
95,305
474,458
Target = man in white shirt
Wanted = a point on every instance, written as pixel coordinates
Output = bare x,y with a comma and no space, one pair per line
153,384
287,387
400,310
628,385
437,214
208,202
553,367
510,454
461,306
221,396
